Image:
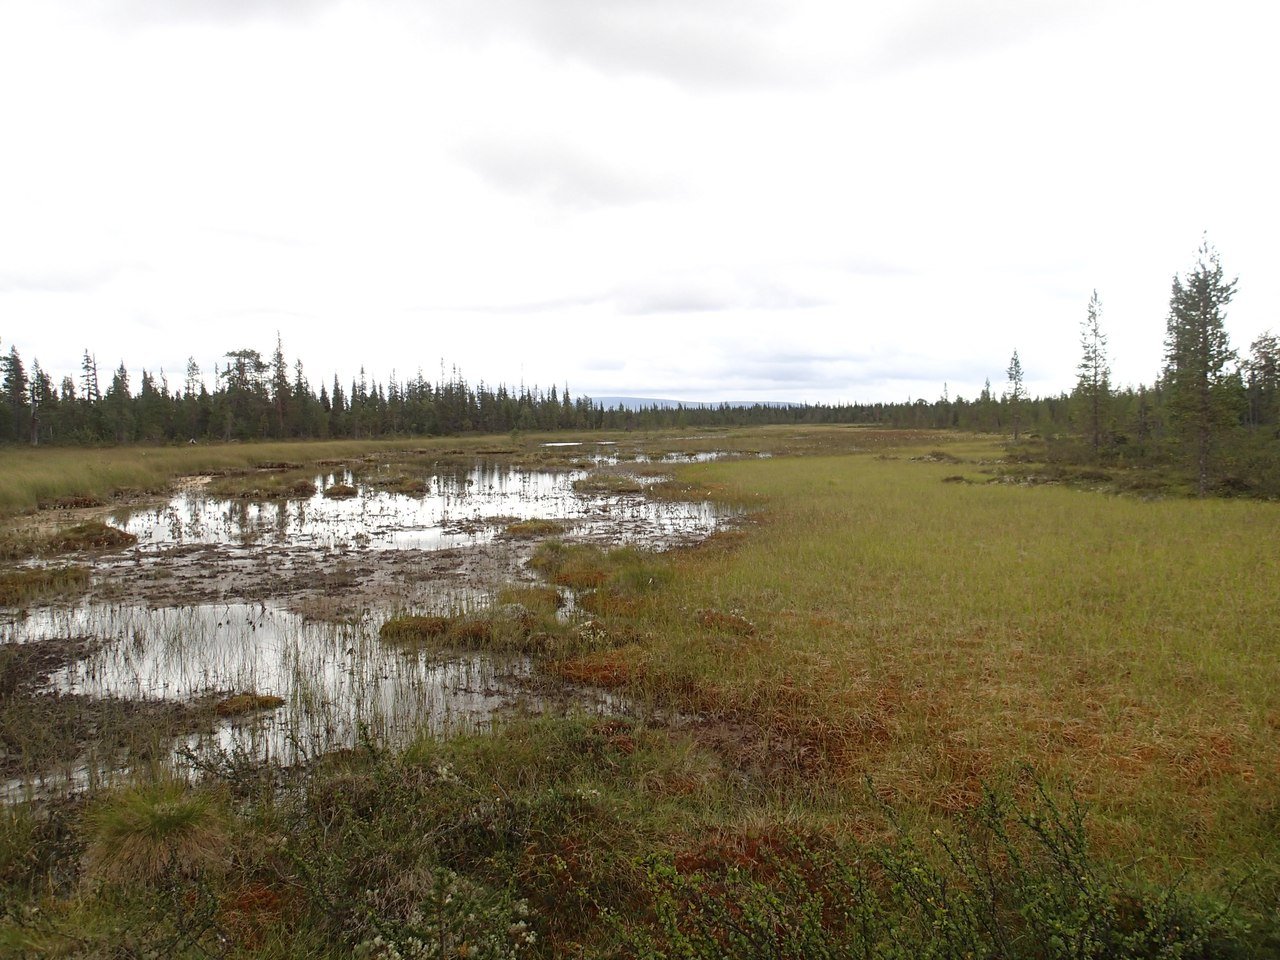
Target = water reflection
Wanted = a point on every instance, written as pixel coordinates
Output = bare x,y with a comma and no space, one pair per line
340,683
459,508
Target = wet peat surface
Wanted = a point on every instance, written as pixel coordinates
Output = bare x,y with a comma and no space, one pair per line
282,600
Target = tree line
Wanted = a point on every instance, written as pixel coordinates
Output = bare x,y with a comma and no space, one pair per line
1209,410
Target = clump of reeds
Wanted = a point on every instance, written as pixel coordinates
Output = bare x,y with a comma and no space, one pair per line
262,486
243,703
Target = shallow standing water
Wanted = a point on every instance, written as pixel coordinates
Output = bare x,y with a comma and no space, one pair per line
459,508
339,682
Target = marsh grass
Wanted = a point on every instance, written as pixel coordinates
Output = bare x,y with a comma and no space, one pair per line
579,836
24,585
527,630
240,704
536,599
78,476
584,567
609,484
84,537
263,485
938,636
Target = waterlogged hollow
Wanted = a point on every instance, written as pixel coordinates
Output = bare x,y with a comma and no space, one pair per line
458,509
339,682
225,596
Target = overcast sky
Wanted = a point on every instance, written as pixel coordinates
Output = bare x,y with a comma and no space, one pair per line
809,200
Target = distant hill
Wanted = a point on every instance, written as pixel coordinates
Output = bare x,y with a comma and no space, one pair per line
641,403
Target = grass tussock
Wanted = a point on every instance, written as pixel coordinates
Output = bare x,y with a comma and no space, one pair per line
533,529
91,535
340,491
403,485
84,537
587,567
162,829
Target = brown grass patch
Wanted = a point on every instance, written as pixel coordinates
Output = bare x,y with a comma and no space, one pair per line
607,669
407,486
577,577
471,630
250,913
721,622
340,491
414,629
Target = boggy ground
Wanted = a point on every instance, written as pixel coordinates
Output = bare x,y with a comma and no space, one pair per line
859,728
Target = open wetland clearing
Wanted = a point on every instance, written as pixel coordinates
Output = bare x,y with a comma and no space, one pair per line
787,691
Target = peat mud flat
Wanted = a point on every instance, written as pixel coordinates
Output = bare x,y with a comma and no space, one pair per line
276,606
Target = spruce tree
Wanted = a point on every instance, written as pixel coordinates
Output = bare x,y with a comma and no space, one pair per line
1197,355
1017,393
1263,380
1092,397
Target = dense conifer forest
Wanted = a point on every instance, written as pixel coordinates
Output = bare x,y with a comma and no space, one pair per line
1210,410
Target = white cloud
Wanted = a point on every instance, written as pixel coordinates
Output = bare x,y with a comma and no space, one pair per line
811,199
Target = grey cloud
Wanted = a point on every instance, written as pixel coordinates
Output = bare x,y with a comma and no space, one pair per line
850,374
871,267
709,292
560,174
130,13
513,309
57,280
944,29
709,43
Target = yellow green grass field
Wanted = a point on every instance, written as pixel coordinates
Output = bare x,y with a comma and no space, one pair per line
938,636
